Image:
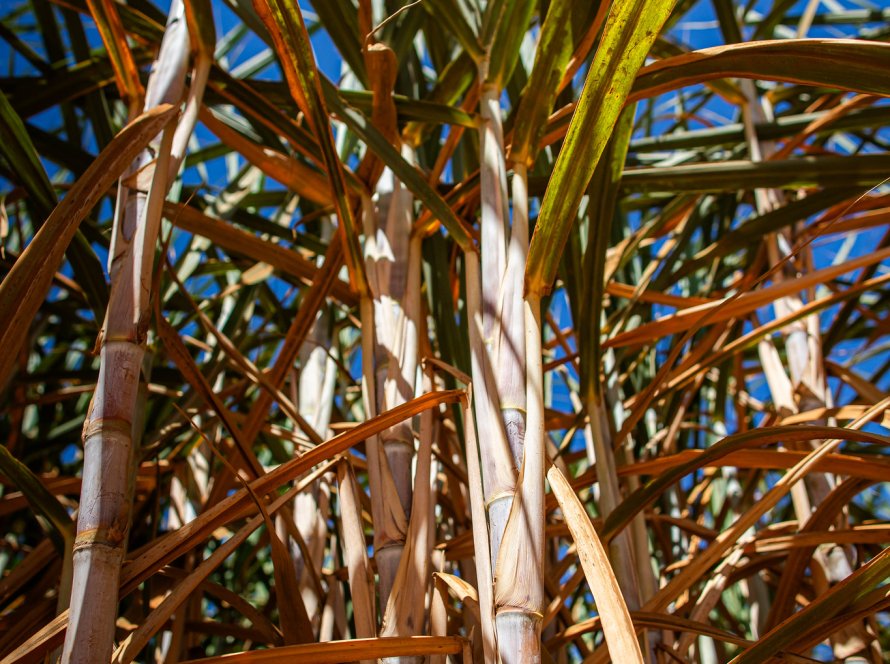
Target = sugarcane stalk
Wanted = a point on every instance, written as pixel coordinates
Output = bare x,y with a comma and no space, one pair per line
106,493
405,611
390,526
509,356
501,423
519,589
397,307
481,544
498,480
315,394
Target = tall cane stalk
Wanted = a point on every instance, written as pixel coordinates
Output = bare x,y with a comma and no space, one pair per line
106,494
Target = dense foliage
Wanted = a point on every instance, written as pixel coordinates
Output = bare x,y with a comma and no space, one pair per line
344,282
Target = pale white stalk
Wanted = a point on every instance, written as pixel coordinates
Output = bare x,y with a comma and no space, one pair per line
498,480
493,192
519,586
355,553
509,355
314,395
390,525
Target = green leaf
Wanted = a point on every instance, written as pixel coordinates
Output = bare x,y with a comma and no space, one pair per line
27,283
17,148
49,511
408,175
339,19
629,33
551,60
603,194
284,20
449,14
865,170
503,53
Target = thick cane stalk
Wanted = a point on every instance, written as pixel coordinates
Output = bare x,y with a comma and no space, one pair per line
519,588
316,388
106,494
397,304
499,462
392,263
497,469
389,358
390,526
405,611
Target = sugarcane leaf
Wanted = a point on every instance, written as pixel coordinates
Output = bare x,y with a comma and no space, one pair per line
24,288
334,652
126,71
53,517
617,625
409,175
187,538
551,60
629,32
843,64
736,306
826,606
413,109
863,171
752,230
509,31
284,20
603,194
202,29
239,242
339,19
250,100
449,13
663,49
644,496
289,171
19,152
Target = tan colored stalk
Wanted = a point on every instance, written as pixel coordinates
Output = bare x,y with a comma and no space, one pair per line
392,263
629,551
137,639
438,617
404,614
481,545
355,554
104,514
396,289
